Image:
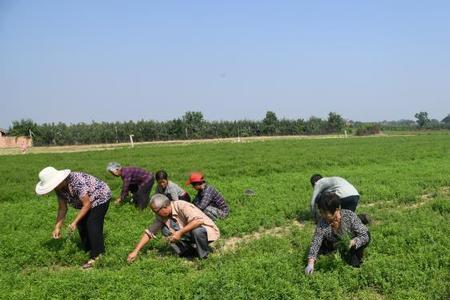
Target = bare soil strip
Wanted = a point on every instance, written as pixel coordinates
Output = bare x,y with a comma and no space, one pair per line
100,147
233,243
422,200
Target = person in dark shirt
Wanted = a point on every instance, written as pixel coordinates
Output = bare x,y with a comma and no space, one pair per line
208,199
135,180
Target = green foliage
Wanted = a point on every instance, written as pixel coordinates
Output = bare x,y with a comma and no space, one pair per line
408,256
446,120
422,119
343,245
194,123
23,127
270,123
442,206
368,129
335,122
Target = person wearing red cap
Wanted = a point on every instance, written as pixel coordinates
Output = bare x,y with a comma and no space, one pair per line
208,199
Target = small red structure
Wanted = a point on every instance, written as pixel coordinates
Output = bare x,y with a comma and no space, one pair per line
22,142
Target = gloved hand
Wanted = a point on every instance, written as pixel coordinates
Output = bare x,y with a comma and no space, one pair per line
309,269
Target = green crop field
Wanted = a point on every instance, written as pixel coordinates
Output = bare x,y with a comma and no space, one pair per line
404,185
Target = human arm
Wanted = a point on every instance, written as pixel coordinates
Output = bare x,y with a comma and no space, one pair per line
314,248
310,266
146,237
177,235
125,186
86,201
61,215
173,195
203,199
316,241
360,231
171,191
144,240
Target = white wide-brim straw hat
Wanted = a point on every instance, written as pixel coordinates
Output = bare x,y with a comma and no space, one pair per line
49,179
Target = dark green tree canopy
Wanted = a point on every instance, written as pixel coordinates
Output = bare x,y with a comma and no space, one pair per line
422,119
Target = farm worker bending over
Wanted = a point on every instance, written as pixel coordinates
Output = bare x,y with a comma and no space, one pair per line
86,193
135,180
170,189
337,229
347,193
208,199
187,228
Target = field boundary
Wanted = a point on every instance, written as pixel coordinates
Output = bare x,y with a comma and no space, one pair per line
101,147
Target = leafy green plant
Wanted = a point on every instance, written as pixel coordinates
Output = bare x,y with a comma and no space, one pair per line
408,257
343,245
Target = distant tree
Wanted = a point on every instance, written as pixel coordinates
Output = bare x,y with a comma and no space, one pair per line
23,127
270,123
315,126
422,119
194,123
446,120
335,122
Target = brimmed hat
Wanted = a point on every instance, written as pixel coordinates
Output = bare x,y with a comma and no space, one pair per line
195,177
49,179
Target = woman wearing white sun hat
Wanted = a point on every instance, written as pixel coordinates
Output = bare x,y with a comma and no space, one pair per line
86,193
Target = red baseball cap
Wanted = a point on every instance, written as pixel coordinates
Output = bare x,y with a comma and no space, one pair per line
195,177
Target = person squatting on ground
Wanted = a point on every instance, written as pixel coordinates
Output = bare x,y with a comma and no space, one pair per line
208,199
349,196
170,189
331,229
135,180
187,228
86,193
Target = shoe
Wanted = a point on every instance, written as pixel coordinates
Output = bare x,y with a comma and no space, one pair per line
89,264
365,219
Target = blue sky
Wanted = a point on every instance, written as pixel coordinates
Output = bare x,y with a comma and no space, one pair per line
78,61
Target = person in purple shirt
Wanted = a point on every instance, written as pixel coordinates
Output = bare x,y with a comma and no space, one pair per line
135,180
86,193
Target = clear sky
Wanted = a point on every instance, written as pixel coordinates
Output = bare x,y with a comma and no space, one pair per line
78,61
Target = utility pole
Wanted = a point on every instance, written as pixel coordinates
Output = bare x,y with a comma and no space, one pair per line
131,140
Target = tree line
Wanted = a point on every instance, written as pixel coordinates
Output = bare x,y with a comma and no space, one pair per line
192,125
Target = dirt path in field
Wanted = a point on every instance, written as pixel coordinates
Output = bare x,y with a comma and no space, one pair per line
101,147
421,200
233,243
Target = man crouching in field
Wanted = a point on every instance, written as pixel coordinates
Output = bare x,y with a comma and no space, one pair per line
187,228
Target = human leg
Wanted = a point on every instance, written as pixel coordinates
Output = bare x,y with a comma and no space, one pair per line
95,229
142,195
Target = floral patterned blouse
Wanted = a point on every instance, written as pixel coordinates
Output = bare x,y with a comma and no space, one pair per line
79,184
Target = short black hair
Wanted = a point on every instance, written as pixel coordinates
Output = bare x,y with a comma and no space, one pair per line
328,202
161,174
315,178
